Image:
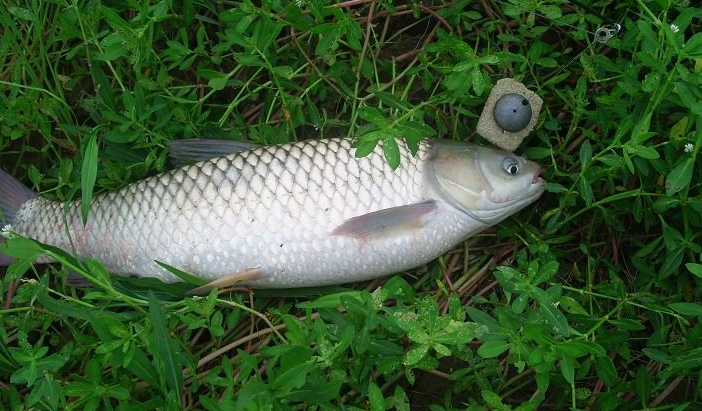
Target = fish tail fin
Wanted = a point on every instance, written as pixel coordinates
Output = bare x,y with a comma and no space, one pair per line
12,195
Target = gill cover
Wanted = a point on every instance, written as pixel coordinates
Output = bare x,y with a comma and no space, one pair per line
454,174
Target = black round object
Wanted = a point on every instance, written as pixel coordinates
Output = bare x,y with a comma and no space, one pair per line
512,112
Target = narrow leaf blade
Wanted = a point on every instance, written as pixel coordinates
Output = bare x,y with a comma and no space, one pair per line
166,348
88,175
679,177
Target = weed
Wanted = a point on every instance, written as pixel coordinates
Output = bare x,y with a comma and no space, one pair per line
587,300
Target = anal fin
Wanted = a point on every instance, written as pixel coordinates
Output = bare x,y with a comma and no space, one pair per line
228,280
385,222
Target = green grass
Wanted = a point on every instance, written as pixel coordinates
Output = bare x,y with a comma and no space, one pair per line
589,299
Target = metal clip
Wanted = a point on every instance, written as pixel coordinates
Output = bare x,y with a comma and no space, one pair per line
606,32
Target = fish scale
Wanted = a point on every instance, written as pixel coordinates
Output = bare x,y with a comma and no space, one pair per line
214,218
287,211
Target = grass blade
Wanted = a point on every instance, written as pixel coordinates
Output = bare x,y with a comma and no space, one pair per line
88,174
167,350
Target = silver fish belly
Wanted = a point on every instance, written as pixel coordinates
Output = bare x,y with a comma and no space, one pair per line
295,215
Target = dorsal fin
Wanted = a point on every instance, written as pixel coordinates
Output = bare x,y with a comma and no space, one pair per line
12,195
183,152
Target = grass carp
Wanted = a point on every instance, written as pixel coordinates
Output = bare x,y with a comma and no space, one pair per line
291,215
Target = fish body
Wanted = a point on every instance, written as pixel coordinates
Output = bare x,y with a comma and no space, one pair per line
292,215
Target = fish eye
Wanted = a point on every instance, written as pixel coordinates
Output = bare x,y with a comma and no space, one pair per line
510,165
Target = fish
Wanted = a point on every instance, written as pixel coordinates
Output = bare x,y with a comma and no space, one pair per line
299,214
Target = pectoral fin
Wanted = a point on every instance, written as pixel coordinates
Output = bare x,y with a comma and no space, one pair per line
228,280
390,220
183,152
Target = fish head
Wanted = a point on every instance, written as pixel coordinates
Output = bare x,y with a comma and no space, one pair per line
487,184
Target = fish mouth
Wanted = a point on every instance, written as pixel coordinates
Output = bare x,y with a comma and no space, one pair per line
537,179
538,186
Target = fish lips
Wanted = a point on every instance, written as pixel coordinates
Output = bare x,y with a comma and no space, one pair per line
537,177
506,208
538,186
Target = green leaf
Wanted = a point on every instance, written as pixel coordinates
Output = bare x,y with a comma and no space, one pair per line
457,81
114,46
265,31
391,100
463,66
685,361
283,71
586,191
218,83
391,151
647,59
656,355
188,278
643,384
687,97
24,251
366,143
416,354
663,204
640,131
679,177
400,399
693,46
354,33
648,153
576,349
551,314
375,397
478,81
627,324
122,136
572,306
167,351
492,400
115,21
546,272
327,42
628,162
491,349
679,129
585,154
695,269
672,262
250,60
671,237
88,175
374,115
442,350
605,370
690,309
568,369
21,13
52,391
489,59
330,300
551,12
459,333
482,318
293,377
414,132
